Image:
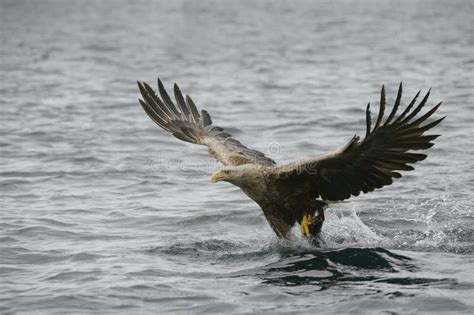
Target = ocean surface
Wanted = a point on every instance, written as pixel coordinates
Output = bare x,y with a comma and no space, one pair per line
102,211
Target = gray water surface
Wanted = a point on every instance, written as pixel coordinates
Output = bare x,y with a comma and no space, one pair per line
100,210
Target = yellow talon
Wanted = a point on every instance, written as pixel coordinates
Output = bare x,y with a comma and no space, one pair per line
305,223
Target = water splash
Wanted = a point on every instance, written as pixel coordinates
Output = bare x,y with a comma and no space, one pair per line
433,224
344,228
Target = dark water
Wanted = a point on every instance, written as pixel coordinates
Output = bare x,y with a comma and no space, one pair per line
102,211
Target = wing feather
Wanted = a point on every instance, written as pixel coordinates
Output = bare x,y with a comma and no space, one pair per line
368,120
396,105
382,108
167,100
192,107
182,103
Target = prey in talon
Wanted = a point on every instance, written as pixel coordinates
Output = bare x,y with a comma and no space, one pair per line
298,192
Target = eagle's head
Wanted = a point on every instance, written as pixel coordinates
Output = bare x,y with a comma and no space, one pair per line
240,175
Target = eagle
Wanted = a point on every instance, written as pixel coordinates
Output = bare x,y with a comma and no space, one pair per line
300,191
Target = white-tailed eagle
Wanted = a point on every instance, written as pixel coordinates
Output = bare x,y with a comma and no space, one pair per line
299,192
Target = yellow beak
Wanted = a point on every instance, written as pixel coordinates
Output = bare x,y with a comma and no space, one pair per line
216,177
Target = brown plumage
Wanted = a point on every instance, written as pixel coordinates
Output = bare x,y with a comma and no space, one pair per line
299,191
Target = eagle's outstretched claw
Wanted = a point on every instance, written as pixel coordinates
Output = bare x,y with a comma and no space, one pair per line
305,225
311,226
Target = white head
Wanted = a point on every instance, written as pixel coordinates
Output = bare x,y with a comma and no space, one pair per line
240,175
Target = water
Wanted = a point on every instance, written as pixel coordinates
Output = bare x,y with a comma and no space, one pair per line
102,211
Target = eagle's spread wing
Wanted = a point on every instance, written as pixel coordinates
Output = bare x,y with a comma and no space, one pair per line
370,163
184,122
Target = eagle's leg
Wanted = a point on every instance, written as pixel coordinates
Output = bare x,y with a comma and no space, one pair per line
311,224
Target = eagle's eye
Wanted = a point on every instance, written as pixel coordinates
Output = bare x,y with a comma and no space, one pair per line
226,172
